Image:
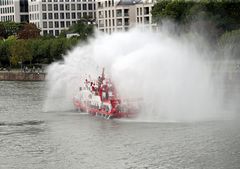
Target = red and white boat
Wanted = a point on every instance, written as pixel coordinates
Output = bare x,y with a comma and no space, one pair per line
100,98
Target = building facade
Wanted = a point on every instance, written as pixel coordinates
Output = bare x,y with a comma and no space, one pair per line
14,10
54,16
123,14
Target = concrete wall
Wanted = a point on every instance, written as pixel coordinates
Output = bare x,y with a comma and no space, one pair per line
20,76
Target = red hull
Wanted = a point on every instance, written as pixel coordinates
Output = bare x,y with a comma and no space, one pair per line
101,98
101,112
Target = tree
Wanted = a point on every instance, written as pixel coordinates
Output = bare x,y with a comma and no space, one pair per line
223,14
5,49
83,28
20,52
9,28
229,43
29,31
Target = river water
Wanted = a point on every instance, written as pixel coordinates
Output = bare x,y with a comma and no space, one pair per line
31,138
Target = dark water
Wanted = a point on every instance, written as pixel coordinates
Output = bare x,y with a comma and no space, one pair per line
32,139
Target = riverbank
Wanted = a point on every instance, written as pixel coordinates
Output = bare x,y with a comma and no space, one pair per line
22,76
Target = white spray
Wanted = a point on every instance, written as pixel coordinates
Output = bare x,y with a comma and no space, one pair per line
170,73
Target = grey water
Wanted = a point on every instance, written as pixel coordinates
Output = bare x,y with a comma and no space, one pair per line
31,138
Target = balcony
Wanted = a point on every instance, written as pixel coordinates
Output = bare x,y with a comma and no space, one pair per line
119,14
119,23
101,25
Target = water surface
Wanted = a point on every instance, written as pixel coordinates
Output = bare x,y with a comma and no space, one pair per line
31,138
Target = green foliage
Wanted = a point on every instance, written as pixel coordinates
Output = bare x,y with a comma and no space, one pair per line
32,48
229,42
9,28
82,28
20,52
5,46
224,14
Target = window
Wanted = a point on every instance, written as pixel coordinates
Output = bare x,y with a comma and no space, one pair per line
44,24
55,7
146,20
50,24
79,15
56,24
126,12
146,10
73,7
50,16
23,6
78,6
45,33
62,24
55,15
84,6
61,7
44,16
56,32
68,24
119,12
44,7
61,15
51,32
73,16
106,23
90,7
90,14
119,22
67,15
49,7
67,7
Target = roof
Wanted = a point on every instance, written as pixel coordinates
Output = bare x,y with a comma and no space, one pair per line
129,2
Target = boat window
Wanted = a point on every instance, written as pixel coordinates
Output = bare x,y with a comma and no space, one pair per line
104,95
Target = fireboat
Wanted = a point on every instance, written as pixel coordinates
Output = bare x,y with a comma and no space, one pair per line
100,98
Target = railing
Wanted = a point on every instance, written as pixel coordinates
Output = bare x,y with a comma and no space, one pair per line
101,25
119,14
119,24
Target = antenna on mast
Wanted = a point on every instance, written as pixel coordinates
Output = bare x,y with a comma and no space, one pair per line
103,74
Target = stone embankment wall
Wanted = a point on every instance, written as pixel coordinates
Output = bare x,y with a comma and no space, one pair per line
21,76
